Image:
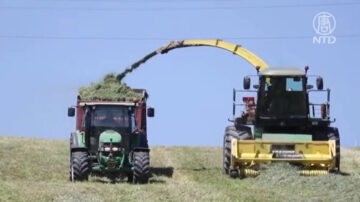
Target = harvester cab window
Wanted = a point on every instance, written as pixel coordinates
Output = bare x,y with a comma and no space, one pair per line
282,97
294,84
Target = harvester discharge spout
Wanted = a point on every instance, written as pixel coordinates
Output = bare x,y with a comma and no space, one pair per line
217,43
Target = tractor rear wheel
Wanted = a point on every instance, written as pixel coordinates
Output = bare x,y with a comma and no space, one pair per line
232,133
141,163
79,166
333,134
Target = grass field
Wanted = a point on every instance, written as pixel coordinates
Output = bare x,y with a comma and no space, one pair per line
37,170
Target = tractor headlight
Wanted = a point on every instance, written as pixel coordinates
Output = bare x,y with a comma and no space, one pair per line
109,149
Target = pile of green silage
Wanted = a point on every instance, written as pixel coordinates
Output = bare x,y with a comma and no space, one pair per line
110,88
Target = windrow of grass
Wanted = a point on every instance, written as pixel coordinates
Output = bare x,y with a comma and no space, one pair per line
37,170
342,187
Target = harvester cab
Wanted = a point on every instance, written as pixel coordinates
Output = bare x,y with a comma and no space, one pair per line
110,140
281,124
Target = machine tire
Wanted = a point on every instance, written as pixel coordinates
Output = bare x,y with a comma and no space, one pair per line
242,133
333,134
232,133
226,154
79,166
141,163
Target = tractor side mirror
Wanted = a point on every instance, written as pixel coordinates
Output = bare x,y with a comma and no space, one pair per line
71,112
319,83
246,83
308,87
256,86
151,112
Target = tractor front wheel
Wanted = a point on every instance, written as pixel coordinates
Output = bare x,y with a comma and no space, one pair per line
226,154
141,163
243,133
79,166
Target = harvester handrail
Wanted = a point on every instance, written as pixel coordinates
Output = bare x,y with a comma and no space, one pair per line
235,100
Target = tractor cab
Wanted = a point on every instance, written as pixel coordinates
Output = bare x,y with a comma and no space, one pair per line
101,118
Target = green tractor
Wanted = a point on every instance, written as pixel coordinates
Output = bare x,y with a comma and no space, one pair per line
110,139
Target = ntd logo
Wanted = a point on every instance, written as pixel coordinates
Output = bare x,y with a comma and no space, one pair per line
324,24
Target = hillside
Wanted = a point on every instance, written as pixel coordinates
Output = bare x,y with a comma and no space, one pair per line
37,170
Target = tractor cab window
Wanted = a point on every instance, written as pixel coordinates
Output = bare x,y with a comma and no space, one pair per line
111,116
282,97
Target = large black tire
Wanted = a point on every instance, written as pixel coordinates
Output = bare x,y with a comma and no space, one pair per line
79,166
244,133
141,163
333,134
226,154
